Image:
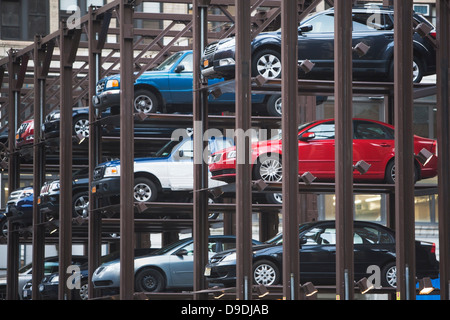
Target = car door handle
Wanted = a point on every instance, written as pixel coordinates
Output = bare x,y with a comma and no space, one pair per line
384,145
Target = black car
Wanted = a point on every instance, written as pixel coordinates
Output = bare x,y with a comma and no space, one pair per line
372,26
110,127
374,245
19,208
49,196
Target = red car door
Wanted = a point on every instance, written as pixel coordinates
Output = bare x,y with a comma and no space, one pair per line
374,143
316,150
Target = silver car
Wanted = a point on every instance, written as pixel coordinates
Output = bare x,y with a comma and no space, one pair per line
171,267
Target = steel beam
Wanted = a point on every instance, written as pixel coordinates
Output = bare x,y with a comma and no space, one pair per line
289,125
343,149
68,46
404,151
200,118
126,151
38,166
243,161
443,120
97,27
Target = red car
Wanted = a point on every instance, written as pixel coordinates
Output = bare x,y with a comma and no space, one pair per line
373,142
25,133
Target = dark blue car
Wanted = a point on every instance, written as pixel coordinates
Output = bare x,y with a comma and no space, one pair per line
372,25
168,87
19,208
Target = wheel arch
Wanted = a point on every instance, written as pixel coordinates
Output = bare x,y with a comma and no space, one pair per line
152,267
151,177
153,89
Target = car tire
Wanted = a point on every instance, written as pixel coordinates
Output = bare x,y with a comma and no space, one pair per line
266,272
268,168
150,280
389,275
274,198
144,190
4,228
145,101
80,204
274,106
267,63
80,126
82,293
390,173
418,68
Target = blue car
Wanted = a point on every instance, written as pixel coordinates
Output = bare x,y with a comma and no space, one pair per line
168,87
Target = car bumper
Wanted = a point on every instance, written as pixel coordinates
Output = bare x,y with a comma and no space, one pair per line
49,205
223,274
106,99
51,129
48,291
106,187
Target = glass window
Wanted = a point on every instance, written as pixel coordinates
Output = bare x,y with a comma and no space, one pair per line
323,131
370,130
188,63
10,20
322,23
320,236
370,21
369,235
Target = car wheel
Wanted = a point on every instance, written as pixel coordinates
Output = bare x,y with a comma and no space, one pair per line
417,70
150,280
81,126
82,293
274,106
390,172
4,228
274,198
269,168
144,190
389,275
145,101
81,204
266,273
267,63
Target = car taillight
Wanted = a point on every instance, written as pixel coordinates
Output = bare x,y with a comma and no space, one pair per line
435,148
433,34
433,248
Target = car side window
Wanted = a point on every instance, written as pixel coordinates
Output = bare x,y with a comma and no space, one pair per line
323,131
320,236
369,235
368,21
373,131
187,149
188,63
322,23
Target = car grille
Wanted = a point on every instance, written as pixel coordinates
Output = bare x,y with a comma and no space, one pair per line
98,172
22,128
100,86
210,49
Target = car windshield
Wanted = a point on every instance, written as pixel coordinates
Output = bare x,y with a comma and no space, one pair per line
169,62
278,239
169,247
300,128
166,150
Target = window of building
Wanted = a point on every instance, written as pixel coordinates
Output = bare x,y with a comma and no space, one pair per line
22,20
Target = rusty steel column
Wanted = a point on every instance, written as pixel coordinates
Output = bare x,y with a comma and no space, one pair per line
126,151
12,265
404,151
200,117
38,165
343,149
243,167
289,125
68,46
443,120
95,46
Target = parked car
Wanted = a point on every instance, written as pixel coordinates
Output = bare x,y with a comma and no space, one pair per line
373,142
19,208
51,264
49,197
171,267
80,125
372,25
169,170
169,87
48,288
25,134
374,245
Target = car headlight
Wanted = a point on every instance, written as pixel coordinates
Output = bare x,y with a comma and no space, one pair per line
55,279
54,186
230,257
112,171
231,154
112,84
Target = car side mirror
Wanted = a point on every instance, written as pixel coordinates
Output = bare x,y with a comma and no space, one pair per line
182,252
179,68
307,136
306,28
